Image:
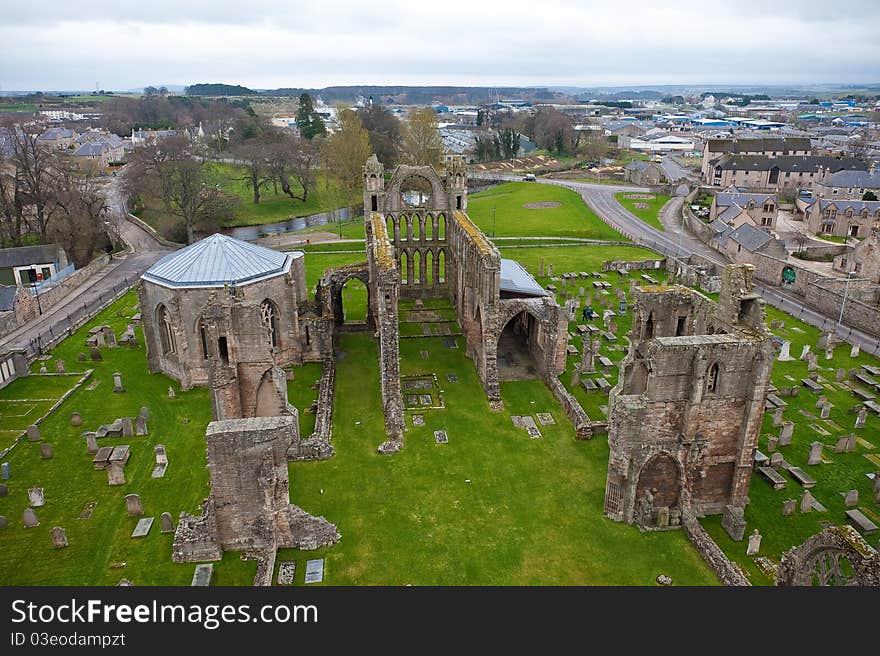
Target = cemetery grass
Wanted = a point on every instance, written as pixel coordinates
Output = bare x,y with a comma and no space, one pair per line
572,218
651,214
530,515
27,556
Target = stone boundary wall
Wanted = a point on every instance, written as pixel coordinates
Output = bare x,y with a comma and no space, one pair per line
324,417
653,264
700,228
573,409
728,573
150,229
816,251
63,289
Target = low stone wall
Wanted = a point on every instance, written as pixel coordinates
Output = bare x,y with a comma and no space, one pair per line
145,226
814,251
644,265
700,228
728,573
573,409
318,446
63,289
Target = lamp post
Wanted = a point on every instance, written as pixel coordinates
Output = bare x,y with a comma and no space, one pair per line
843,303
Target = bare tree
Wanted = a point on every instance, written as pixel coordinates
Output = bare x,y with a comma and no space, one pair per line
80,225
34,165
254,155
421,140
346,150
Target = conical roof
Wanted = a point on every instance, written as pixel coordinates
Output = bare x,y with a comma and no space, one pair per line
216,261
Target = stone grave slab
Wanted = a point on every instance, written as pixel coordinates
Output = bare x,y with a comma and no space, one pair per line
818,507
203,575
545,418
424,355
802,477
819,429
143,527
286,572
773,477
589,385
761,460
450,342
811,385
452,378
315,571
605,362
120,454
425,399
603,384
159,470
861,521
440,437
87,510
533,432
418,420
102,457
806,413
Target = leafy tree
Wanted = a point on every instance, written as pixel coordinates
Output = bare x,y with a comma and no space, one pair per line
384,130
509,141
421,141
346,150
308,121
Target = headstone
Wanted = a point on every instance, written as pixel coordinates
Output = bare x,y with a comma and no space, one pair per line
785,352
35,497
96,354
550,270
5,471
812,362
116,473
161,456
776,460
33,433
140,425
861,417
117,383
3,522
788,507
133,505
143,527
127,427
777,416
43,369
663,516
733,522
842,443
815,456
829,353
145,413
806,502
46,451
4,490
805,351
854,351
76,419
203,575
170,392
851,499
822,400
541,268
315,570
851,443
91,443
754,543
840,375
29,518
59,537
81,357
825,411
785,433
166,522
59,366
771,444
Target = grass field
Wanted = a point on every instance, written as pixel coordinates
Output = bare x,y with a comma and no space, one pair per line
649,214
570,218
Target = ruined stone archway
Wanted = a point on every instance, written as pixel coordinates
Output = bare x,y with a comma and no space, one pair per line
658,486
332,284
270,401
837,555
515,352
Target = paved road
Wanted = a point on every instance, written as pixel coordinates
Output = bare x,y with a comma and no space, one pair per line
123,271
672,169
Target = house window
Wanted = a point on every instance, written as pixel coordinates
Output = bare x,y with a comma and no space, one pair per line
269,317
766,221
834,191
828,227
843,263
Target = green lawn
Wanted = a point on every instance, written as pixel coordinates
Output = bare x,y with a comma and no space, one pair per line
571,218
649,214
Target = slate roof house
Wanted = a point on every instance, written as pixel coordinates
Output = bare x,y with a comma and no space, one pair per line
44,260
782,173
771,146
849,185
735,208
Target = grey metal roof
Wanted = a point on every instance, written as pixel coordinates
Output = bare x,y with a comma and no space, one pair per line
515,279
219,260
860,179
750,237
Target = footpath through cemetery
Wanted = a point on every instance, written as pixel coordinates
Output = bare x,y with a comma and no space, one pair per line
432,407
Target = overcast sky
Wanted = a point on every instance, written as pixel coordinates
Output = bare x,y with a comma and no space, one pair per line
124,44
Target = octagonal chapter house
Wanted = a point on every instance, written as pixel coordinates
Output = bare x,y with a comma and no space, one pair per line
223,313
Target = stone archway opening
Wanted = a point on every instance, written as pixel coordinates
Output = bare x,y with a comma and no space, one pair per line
355,301
416,191
658,489
515,358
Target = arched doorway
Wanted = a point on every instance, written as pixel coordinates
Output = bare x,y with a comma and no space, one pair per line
354,301
659,486
515,359
270,400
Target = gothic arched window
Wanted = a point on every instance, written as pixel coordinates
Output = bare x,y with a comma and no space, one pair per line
166,330
269,317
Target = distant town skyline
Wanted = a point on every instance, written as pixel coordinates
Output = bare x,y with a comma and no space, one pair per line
270,44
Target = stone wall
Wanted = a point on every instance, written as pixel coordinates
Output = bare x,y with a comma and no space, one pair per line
65,287
727,572
318,445
573,409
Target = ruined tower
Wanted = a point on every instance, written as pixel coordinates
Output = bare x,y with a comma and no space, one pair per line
686,413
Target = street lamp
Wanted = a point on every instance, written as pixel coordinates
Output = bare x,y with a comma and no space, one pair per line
843,303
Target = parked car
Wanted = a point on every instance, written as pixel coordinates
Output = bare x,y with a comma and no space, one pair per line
529,177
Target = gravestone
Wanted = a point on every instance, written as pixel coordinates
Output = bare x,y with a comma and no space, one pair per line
117,383
785,433
861,417
805,351
116,473
541,269
815,456
76,419
43,369
771,444
4,490
127,427
143,527
166,523
140,425
812,362
776,460
161,456
46,451
170,392
145,413
35,497
418,420
851,443
754,543
733,522
840,375
203,575
315,570
3,522
81,357
91,443
663,516
825,411
788,507
5,472
59,366
550,270
33,433
822,400
854,351
829,353
133,505
777,416
96,354
851,498
806,502
440,437
59,537
842,443
785,352
29,518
